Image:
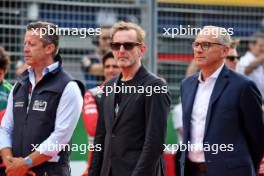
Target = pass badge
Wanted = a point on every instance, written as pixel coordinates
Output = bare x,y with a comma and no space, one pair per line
39,105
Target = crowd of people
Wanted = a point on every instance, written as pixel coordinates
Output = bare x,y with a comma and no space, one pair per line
221,104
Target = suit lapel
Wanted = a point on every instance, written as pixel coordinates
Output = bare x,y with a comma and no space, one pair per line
110,104
220,85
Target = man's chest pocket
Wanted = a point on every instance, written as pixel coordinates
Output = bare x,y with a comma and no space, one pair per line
44,105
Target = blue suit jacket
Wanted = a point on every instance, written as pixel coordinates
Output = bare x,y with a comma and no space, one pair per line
234,117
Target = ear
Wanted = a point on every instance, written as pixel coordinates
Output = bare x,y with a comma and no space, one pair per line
225,51
251,46
5,70
50,48
143,49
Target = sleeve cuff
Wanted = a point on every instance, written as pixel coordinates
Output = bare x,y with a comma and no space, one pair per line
54,155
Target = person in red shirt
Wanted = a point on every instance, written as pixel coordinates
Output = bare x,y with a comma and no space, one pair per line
261,169
90,109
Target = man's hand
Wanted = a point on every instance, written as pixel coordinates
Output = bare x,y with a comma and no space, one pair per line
7,161
16,167
7,155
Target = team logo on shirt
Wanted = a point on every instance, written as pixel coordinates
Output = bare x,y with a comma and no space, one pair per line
39,105
19,104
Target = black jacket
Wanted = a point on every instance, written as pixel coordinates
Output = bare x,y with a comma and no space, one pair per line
132,145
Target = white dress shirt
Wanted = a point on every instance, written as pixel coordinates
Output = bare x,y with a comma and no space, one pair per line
177,116
67,116
257,75
199,112
177,119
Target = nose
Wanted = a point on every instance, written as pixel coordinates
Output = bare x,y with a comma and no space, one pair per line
26,48
122,48
112,69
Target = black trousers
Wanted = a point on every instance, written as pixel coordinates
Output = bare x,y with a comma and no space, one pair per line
52,169
192,169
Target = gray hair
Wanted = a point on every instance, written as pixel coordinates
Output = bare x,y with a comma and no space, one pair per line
220,33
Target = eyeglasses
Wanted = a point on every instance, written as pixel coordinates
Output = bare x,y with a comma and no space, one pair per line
204,45
126,45
232,58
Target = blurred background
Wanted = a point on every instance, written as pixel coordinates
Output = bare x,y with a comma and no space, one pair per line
166,56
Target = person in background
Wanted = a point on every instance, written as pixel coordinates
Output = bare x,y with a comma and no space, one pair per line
232,57
21,66
252,66
252,63
92,98
5,88
92,63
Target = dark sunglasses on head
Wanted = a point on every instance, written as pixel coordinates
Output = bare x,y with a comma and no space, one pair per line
232,58
126,45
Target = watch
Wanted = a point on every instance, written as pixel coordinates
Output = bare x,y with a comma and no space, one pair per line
28,161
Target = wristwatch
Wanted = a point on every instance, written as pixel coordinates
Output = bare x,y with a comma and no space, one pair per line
28,161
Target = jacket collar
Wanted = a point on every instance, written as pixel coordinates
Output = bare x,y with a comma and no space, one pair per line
25,75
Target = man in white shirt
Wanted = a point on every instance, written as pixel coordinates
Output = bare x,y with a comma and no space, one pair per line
252,63
222,115
42,111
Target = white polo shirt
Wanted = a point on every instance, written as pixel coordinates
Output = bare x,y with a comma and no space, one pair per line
257,74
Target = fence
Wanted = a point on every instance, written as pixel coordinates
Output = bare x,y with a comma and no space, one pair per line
168,55
174,52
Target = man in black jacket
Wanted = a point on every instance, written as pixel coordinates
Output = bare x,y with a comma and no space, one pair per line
133,112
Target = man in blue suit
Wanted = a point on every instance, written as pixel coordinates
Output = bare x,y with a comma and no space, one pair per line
222,115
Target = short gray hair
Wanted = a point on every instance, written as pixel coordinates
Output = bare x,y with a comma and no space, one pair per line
220,33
